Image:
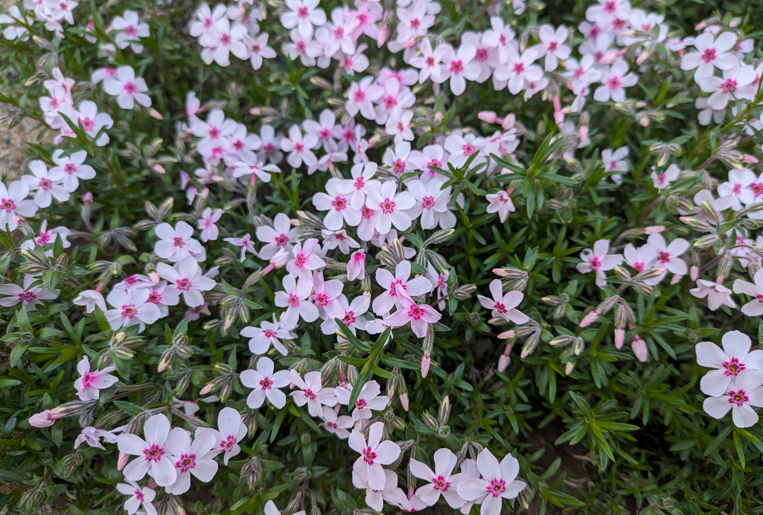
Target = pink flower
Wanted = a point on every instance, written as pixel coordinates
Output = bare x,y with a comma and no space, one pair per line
187,279
737,190
711,53
231,430
356,267
598,261
614,81
13,204
667,256
498,482
430,62
295,299
742,394
299,148
640,259
432,204
131,308
736,84
153,455
399,290
306,259
460,66
127,88
500,36
191,458
246,244
45,418
312,392
259,49
338,206
223,41
303,14
503,306
420,317
373,455
441,482
717,294
29,296
138,496
89,383
519,70
265,384
728,363
663,179
207,225
92,436
552,45
390,207
500,203
214,132
46,183
361,96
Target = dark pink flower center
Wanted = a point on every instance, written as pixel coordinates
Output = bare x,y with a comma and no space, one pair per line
663,257
186,462
440,484
153,453
129,311
303,12
427,202
733,367
497,487
183,284
738,397
456,66
339,203
709,55
387,206
369,456
309,394
266,384
130,88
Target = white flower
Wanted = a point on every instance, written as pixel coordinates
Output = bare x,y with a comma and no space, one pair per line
336,424
519,69
46,183
265,383
459,66
498,482
280,236
127,88
13,28
369,399
223,41
552,45
735,85
390,207
231,430
131,308
209,230
303,14
92,122
269,333
500,203
742,394
711,53
186,278
312,392
754,307
138,496
504,306
299,148
72,168
717,294
259,49
614,79
306,259
668,255
441,482
191,458
598,261
431,204
205,20
295,299
177,244
28,296
430,61
663,179
13,203
399,290
337,205
373,455
152,454
361,96
131,30
737,189
92,436
729,362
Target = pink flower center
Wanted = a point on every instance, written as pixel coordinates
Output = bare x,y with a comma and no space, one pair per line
729,86
456,66
609,7
269,148
299,148
281,240
440,484
500,307
227,444
321,299
367,212
300,260
349,318
87,124
225,39
183,284
369,456
339,204
155,297
398,166
663,257
87,379
359,256
138,493
361,404
45,184
27,296
339,33
638,266
497,487
519,68
129,311
309,394
481,55
709,55
266,384
303,12
390,102
177,241
415,23
130,88
360,95
360,183
595,263
131,31
43,238
270,334
429,61
427,202
293,300
647,27
415,312
186,462
738,397
387,206
733,367
552,47
153,453
468,149
301,47
613,82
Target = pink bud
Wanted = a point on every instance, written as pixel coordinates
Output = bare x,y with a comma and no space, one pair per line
676,278
280,259
189,131
404,400
619,337
644,122
487,116
87,199
426,362
500,272
559,119
153,113
568,368
159,168
653,229
411,491
584,132
206,389
557,104
590,318
41,419
100,287
255,111
374,141
508,121
382,36
122,460
701,25
154,277
503,362
641,58
747,158
639,348
694,273
507,334
438,117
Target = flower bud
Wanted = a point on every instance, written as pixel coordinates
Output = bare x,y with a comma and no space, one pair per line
590,318
426,362
487,116
444,412
639,348
530,344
